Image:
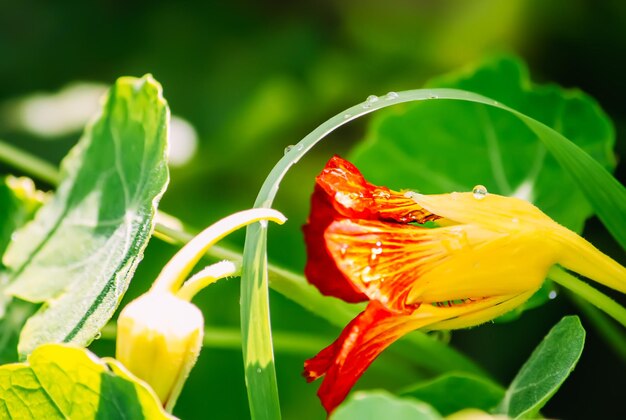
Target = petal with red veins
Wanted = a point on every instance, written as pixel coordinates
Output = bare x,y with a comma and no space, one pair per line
340,192
363,339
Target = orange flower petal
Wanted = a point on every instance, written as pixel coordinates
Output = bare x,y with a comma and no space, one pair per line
342,192
363,339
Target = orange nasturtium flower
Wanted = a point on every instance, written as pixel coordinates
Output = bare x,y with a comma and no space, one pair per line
426,261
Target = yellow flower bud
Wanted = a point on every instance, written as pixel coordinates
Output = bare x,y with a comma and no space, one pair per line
159,338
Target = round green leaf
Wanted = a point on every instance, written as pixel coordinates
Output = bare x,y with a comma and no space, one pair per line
62,382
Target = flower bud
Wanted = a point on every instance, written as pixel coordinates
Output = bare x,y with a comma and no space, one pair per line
159,338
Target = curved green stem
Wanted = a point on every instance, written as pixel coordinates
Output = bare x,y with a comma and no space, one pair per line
590,294
206,277
181,264
28,163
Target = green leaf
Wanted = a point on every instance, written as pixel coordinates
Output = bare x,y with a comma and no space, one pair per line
80,252
546,369
61,382
376,405
19,200
454,392
445,146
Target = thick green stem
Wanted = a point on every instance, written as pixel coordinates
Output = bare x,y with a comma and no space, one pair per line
590,294
181,264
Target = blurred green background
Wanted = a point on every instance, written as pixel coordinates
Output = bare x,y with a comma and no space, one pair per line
246,79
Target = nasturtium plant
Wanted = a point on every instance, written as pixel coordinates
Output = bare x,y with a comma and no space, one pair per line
79,253
419,260
452,146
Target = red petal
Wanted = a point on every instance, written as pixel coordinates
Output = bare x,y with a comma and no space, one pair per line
384,260
342,192
344,361
352,196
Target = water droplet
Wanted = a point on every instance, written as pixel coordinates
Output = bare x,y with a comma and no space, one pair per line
368,275
288,148
391,95
376,251
432,96
98,336
370,101
300,147
496,103
552,294
346,116
479,192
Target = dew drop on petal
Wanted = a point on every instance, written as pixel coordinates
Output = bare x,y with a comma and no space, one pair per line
391,95
376,251
343,249
479,192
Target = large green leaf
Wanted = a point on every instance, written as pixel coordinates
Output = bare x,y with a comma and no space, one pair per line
376,405
455,391
64,382
445,146
80,252
546,369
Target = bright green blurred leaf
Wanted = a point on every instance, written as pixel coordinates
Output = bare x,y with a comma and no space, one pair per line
376,405
80,252
19,200
61,382
456,391
548,367
444,146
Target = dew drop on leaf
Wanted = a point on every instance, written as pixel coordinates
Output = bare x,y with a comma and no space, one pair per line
391,95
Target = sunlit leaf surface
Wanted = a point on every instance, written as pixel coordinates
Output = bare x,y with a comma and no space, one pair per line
79,253
457,391
64,382
374,405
